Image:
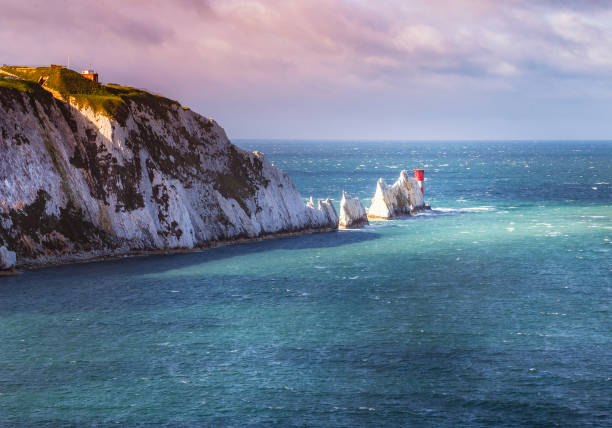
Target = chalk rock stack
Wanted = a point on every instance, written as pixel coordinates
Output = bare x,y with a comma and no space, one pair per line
327,209
352,212
402,198
7,258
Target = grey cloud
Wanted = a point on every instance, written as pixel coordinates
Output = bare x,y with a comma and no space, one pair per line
574,5
51,17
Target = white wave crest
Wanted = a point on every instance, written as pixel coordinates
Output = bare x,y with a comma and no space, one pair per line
443,210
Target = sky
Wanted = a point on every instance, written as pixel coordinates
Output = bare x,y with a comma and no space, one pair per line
343,69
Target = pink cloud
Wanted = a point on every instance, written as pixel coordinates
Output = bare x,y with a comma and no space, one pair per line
257,41
254,51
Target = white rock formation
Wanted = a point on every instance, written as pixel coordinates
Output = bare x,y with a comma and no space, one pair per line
402,198
327,208
352,212
76,183
8,259
310,203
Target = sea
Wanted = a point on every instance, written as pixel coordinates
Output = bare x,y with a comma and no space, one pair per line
492,309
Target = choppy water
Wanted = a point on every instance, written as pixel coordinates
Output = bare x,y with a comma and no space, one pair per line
492,310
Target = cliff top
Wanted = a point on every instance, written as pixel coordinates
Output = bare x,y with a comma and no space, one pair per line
68,85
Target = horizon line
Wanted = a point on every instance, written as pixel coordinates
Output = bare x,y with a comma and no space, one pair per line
460,140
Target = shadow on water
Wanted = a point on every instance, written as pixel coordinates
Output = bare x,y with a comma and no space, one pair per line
85,277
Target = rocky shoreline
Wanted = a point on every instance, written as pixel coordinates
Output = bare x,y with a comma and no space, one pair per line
91,171
352,215
169,251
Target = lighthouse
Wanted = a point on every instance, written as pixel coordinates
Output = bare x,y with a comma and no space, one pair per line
419,174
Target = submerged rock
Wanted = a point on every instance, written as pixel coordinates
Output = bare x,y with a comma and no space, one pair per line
8,259
352,212
404,197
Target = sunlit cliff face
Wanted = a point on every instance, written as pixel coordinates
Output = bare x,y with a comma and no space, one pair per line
358,69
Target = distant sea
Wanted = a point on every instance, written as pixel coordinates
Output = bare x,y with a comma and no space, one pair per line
494,309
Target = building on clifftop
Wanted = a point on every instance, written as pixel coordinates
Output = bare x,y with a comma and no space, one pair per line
90,74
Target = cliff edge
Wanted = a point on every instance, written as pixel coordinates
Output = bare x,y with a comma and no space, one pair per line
89,170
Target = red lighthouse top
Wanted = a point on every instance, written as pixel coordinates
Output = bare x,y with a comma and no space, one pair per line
419,175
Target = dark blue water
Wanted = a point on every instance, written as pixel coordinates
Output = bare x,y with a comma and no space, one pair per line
492,310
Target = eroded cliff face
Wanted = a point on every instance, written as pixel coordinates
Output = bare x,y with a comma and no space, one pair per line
76,182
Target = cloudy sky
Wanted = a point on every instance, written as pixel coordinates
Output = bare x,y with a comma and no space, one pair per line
343,69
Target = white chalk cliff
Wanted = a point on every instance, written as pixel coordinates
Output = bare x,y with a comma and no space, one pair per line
352,212
77,182
402,198
7,258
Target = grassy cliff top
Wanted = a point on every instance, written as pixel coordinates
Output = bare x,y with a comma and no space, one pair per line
111,100
19,85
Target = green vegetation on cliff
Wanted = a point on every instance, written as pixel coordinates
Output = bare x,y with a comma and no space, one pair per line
10,89
111,100
19,85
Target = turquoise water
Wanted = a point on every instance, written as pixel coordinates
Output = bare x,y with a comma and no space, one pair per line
492,310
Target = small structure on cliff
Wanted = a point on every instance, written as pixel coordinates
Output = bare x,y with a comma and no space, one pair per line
352,212
402,198
90,74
